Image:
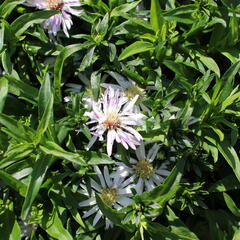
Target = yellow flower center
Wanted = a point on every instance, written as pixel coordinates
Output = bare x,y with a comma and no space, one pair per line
134,90
109,196
112,120
144,169
55,4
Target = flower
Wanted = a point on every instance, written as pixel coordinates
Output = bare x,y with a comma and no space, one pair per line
114,114
130,89
143,170
64,19
115,193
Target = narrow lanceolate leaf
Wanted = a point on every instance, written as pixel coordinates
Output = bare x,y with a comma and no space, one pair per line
58,67
7,6
26,90
2,29
117,11
229,154
14,128
178,227
228,80
115,216
3,92
231,205
44,95
37,176
22,23
10,229
13,183
96,158
228,183
135,48
156,17
55,150
15,153
164,192
46,118
87,60
54,227
209,63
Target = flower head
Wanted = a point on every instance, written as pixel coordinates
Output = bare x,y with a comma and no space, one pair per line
115,193
130,89
114,114
143,171
64,19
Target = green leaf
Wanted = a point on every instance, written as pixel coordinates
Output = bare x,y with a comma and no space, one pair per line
164,192
230,155
10,229
117,11
3,92
40,167
55,150
15,153
115,3
12,182
159,231
26,90
95,84
6,61
7,6
14,128
228,80
182,14
87,60
112,52
58,67
135,48
156,17
53,225
228,183
231,205
236,235
45,93
2,29
230,100
96,158
22,23
112,214
45,120
178,227
209,63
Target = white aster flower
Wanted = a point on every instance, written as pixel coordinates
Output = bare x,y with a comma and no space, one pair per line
115,193
114,114
64,19
130,89
143,171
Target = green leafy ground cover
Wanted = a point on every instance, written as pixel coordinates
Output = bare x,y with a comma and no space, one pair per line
182,59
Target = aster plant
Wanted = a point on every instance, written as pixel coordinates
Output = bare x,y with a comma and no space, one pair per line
117,118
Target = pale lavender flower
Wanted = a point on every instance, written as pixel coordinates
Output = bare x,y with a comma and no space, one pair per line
115,193
143,171
113,114
64,19
130,89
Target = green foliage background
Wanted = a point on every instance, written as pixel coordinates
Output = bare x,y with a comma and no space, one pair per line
188,51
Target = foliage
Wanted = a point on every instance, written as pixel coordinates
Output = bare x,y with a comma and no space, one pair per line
184,54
